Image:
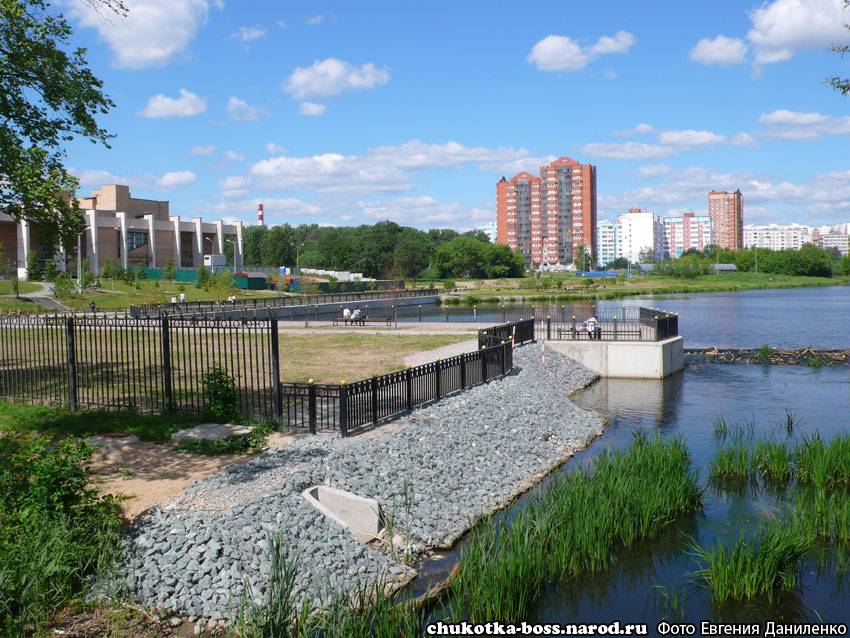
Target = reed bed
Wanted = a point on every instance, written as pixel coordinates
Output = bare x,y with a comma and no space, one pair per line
761,566
824,465
824,514
578,525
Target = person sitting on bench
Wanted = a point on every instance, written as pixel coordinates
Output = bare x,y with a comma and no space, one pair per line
356,317
346,315
594,331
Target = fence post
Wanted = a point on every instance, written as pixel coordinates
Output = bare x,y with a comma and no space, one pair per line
531,325
548,328
439,387
574,327
311,406
420,313
504,363
483,363
343,408
408,382
615,327
462,370
374,400
165,341
277,399
72,363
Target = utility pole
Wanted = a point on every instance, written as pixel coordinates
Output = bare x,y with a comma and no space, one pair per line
79,266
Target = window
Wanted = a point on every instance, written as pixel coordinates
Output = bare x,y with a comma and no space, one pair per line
136,240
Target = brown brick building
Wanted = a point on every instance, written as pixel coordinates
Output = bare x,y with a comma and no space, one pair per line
726,211
130,230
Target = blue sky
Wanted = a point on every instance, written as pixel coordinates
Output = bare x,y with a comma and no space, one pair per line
354,112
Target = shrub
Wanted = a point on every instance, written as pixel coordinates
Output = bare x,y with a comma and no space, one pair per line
54,529
221,395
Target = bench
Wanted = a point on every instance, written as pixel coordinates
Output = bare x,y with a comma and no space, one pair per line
363,320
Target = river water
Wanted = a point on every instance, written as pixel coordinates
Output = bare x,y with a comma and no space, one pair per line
756,397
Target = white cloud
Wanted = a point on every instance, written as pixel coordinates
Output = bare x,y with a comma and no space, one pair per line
234,186
640,129
246,209
620,43
233,156
151,34
795,125
162,106
89,177
202,150
240,110
273,148
331,77
249,34
178,179
281,24
311,109
426,211
786,27
690,139
562,53
628,150
610,74
383,169
743,139
722,51
315,20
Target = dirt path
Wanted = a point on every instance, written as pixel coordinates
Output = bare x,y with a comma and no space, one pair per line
150,474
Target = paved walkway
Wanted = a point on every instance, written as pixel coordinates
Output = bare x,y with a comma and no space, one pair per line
43,297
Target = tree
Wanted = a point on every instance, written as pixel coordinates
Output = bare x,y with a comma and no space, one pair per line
223,284
838,84
49,98
203,277
620,263
169,272
646,256
33,272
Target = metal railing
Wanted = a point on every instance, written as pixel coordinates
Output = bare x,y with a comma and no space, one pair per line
255,303
521,332
627,324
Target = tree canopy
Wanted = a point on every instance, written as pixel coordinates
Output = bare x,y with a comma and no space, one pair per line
837,83
48,96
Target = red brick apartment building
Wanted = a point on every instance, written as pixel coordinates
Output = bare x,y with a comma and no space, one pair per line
129,230
726,211
545,217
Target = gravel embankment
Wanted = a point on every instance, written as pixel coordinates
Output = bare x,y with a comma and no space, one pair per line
461,457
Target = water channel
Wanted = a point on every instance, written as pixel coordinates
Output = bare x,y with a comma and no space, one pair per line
755,396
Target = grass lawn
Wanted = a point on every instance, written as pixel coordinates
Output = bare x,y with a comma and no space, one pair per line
333,357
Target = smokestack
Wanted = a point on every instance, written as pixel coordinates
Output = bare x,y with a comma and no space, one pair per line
260,215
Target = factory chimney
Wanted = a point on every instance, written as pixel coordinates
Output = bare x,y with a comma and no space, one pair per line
260,216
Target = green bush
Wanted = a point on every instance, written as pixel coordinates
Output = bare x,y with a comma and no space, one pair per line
54,529
221,395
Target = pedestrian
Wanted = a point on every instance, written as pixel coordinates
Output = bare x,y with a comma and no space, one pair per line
92,306
183,300
346,315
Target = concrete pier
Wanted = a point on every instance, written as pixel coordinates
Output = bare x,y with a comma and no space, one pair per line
626,359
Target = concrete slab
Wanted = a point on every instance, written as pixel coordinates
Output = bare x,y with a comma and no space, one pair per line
112,439
626,359
210,432
358,514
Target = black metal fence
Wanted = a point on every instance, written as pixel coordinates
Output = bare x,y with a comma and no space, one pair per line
255,303
345,407
521,332
149,365
629,323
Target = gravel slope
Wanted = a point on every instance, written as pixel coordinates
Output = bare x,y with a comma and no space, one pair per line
460,457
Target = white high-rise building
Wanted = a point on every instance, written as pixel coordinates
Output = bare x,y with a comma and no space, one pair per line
778,237
607,242
688,231
490,229
841,241
641,230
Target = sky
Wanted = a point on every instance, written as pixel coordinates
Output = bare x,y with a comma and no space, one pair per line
343,113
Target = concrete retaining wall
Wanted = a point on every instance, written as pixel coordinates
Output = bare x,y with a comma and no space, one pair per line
626,359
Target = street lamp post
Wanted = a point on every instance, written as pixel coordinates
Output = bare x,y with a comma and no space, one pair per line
79,266
297,255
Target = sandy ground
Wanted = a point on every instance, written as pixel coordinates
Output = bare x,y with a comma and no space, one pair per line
148,474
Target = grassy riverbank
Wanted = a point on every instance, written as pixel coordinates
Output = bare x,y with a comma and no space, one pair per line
588,288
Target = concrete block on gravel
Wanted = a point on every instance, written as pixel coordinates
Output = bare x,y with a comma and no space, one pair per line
210,432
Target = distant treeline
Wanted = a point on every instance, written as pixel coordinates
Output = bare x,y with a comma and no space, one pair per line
810,261
384,251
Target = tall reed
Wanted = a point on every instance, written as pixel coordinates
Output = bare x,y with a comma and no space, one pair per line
824,464
756,567
577,525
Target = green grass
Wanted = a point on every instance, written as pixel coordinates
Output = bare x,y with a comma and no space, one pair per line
733,461
61,423
579,524
755,567
23,287
773,461
824,514
821,464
